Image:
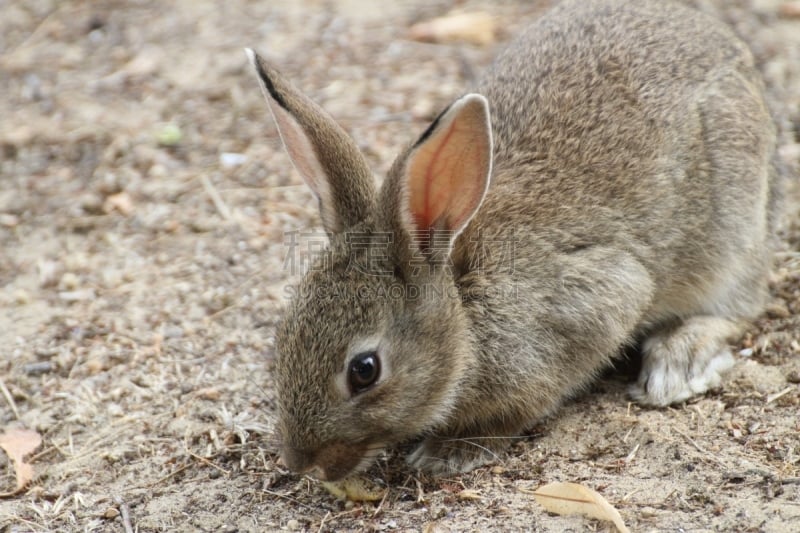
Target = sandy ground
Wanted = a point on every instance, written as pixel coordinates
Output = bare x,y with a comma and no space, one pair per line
143,268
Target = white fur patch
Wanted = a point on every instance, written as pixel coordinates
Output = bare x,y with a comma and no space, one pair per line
663,382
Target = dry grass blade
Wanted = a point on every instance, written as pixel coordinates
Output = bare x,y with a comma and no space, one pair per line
216,199
9,398
772,397
572,498
18,443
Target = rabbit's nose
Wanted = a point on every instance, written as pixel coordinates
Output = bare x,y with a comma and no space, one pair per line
329,463
297,460
301,464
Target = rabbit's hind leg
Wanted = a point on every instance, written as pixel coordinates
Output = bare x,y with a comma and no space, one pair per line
684,359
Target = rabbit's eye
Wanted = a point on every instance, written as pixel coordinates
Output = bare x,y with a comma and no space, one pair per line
365,368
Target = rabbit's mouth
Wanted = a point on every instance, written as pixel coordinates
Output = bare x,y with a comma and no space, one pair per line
333,461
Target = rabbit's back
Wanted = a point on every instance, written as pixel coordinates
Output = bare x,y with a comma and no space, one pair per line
591,71
639,125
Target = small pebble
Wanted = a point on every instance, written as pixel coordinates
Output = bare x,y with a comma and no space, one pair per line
171,331
48,351
209,393
110,183
95,366
91,204
793,376
293,525
231,159
21,296
96,36
48,272
158,171
777,309
32,90
111,512
77,296
37,369
120,202
111,278
69,282
8,220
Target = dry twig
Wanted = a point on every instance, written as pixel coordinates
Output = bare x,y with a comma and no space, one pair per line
217,200
125,512
9,398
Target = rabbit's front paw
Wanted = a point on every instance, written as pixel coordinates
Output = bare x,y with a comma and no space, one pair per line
684,361
441,456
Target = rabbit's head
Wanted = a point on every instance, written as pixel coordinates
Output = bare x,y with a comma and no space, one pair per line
375,341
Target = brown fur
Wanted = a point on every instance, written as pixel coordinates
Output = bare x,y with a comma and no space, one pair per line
631,199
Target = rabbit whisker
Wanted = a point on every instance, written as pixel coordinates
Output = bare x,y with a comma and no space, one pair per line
476,445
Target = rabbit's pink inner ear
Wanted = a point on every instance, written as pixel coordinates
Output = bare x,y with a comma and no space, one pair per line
305,160
448,171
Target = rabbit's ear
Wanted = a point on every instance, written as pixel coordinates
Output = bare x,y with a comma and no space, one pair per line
447,173
323,154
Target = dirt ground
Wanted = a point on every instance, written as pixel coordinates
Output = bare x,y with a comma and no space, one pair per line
144,200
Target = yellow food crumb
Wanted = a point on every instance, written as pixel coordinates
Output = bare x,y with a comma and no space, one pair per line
354,489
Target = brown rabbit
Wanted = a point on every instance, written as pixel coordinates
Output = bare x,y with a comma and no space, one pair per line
610,182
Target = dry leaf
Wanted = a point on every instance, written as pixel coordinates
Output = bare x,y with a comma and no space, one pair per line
121,202
145,63
18,443
469,494
790,9
571,498
354,489
208,393
476,28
